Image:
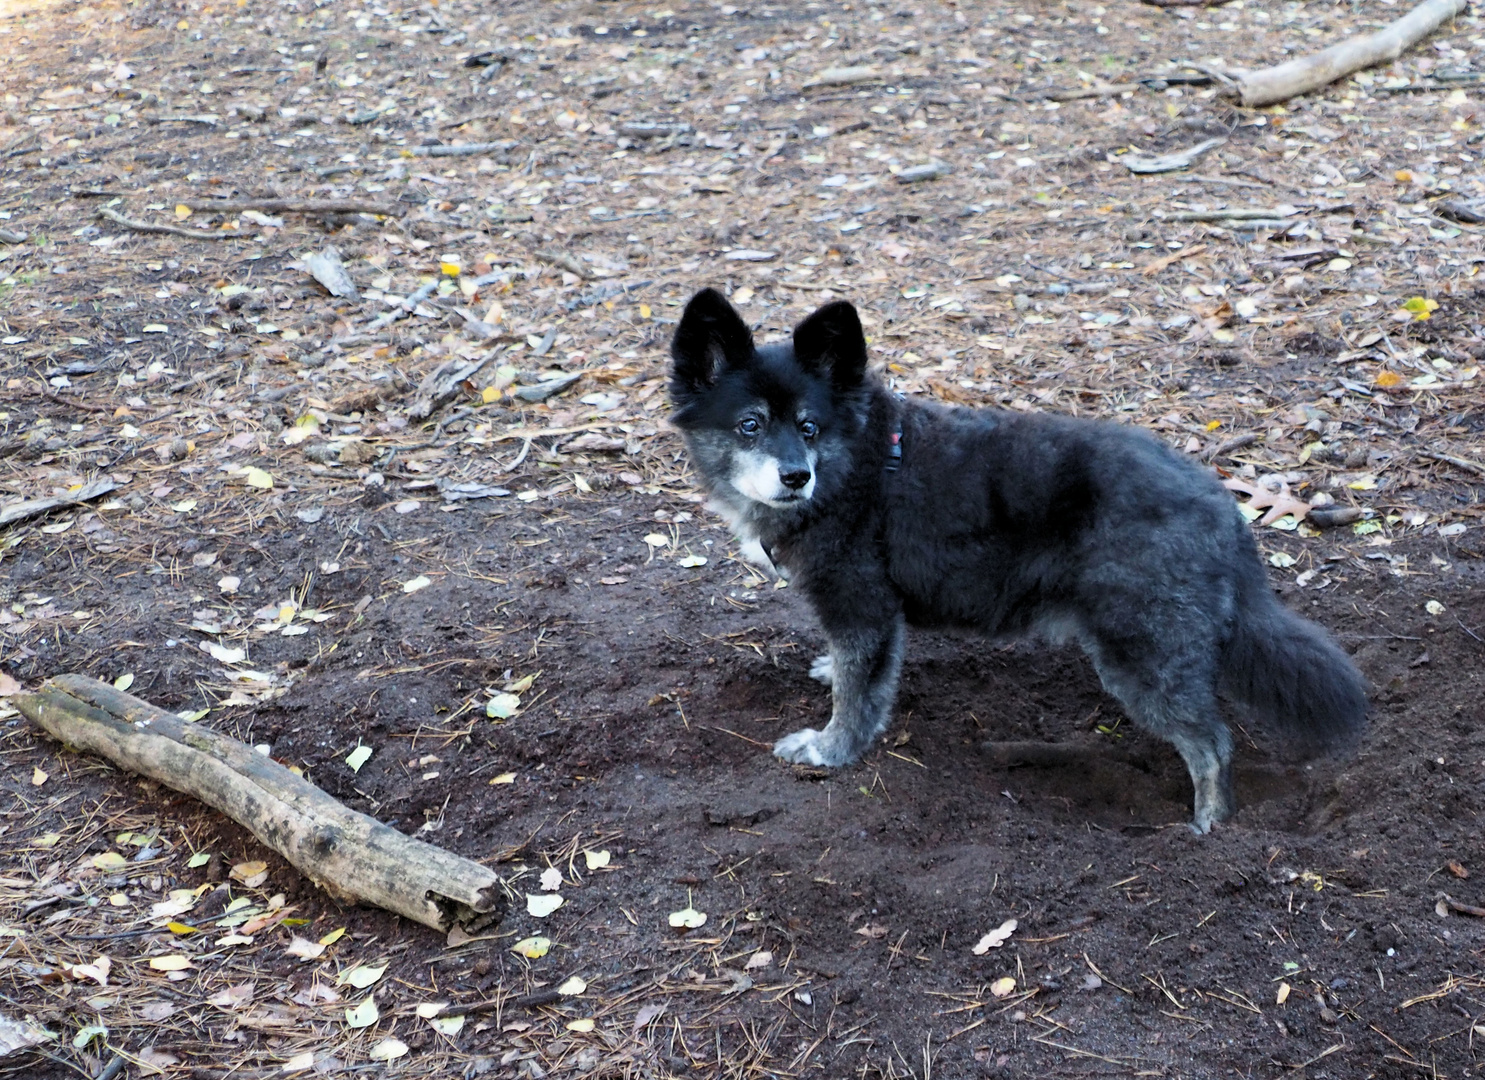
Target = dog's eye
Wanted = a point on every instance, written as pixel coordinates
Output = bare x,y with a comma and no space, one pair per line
809,429
748,427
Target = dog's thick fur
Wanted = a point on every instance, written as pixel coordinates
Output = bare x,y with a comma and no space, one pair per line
999,523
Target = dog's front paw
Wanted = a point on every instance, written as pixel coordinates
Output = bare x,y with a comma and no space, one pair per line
803,748
823,669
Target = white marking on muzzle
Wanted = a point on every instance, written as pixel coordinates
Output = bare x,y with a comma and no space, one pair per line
756,476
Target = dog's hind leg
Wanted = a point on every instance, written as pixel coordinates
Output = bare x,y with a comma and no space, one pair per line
1173,697
864,666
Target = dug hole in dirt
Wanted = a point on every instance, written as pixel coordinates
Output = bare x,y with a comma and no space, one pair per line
432,544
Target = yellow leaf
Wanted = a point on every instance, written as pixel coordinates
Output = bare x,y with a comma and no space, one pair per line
489,394
573,987
123,682
504,778
1283,994
172,962
1386,379
450,269
258,478
1003,987
596,860
179,928
182,211
582,1024
540,905
1421,307
37,776
109,860
333,936
1213,425
644,311
532,948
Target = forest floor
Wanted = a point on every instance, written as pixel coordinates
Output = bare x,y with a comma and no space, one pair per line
439,520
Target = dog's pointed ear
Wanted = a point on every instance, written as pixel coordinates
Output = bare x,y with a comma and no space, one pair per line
711,337
831,339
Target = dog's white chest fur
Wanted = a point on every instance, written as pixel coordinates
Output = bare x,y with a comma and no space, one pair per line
749,547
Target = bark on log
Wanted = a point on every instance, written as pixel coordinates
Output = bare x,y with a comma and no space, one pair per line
351,856
1270,85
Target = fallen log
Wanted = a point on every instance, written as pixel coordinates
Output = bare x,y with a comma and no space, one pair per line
348,854
1268,86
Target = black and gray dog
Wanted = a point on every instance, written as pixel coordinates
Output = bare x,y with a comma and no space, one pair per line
889,513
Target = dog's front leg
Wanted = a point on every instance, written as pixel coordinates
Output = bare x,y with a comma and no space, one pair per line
865,663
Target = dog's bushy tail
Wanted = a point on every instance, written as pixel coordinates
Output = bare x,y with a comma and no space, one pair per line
1293,675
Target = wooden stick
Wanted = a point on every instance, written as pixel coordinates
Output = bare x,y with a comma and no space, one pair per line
464,150
351,856
1457,462
163,230
1284,81
292,206
24,511
1152,268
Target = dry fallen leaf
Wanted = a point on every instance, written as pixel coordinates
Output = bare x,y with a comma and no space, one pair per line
304,949
387,1049
361,976
252,873
233,998
687,918
1278,503
995,938
533,948
540,905
363,1015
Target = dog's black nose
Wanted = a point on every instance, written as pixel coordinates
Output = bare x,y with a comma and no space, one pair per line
795,479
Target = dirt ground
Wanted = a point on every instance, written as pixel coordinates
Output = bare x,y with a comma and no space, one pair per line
455,542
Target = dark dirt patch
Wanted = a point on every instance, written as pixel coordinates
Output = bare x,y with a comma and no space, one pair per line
646,735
